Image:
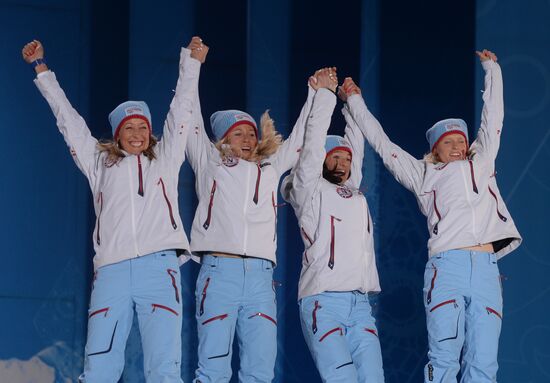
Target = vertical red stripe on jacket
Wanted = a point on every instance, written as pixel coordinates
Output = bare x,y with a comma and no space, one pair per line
140,176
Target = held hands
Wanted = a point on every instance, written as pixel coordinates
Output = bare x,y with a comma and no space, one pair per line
199,50
485,55
347,89
32,51
324,78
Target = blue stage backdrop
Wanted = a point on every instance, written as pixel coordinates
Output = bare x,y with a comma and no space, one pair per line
415,63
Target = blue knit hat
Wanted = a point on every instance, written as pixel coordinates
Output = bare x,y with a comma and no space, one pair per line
127,110
444,128
225,120
333,143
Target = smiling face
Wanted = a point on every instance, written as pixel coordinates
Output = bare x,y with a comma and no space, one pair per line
452,147
242,140
338,166
133,136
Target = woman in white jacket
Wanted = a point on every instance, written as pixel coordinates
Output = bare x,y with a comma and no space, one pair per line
469,225
138,233
338,264
234,237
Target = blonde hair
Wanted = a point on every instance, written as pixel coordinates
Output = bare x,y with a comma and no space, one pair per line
115,154
268,145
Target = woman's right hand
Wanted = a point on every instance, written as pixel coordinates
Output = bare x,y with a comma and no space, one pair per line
199,50
324,78
347,89
32,51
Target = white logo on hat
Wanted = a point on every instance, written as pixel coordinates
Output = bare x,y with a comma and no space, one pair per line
239,117
133,110
452,127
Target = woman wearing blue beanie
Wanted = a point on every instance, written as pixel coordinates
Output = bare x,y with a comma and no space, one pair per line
234,237
138,238
470,229
338,264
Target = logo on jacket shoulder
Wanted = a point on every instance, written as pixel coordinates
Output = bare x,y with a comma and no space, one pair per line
344,192
230,161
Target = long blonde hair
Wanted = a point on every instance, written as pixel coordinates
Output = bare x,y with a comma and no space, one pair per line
115,154
268,145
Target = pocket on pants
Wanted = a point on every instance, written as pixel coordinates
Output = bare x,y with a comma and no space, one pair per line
444,320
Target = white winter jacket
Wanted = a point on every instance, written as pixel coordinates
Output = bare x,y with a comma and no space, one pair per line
460,199
130,225
334,220
237,209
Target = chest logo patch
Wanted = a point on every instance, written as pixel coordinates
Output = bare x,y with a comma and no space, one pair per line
344,192
230,161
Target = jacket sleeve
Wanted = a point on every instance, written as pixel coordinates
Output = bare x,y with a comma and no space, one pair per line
355,138
198,147
406,169
492,115
72,126
180,118
309,168
287,155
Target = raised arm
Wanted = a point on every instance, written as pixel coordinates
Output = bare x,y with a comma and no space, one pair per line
492,115
406,169
287,156
356,139
199,146
309,168
72,126
180,121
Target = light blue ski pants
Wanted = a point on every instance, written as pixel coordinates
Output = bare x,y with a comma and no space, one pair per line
463,300
236,294
341,334
150,285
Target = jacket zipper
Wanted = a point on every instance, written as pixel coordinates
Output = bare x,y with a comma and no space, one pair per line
332,241
140,176
245,209
172,220
257,188
201,309
435,229
206,224
132,209
502,218
474,230
275,206
310,243
474,186
100,200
